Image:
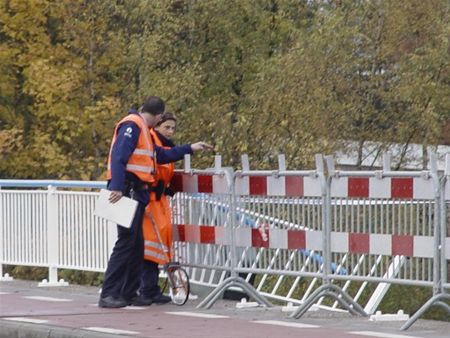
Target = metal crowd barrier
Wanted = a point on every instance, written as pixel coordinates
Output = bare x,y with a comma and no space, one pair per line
308,237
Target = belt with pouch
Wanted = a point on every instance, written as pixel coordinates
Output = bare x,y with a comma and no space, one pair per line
160,188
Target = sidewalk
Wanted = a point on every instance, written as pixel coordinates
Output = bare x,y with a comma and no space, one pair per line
30,311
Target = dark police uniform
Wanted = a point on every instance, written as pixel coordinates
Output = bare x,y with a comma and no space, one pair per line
122,276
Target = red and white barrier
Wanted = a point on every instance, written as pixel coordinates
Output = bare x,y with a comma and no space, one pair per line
304,186
342,242
356,232
387,187
213,184
295,186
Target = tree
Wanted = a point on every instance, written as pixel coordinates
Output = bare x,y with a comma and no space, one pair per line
258,77
61,74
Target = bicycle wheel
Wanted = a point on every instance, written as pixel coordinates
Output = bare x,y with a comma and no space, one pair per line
179,285
168,267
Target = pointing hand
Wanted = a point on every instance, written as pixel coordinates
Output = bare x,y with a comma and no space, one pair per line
201,146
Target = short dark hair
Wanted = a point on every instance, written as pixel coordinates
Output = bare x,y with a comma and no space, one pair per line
166,117
153,105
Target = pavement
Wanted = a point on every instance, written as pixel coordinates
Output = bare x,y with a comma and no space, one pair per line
27,310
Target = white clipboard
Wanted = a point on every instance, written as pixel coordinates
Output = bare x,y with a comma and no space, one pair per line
122,212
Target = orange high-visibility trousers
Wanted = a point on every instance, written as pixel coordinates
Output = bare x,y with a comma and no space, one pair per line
158,250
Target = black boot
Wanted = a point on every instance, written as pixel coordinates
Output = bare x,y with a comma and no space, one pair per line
111,302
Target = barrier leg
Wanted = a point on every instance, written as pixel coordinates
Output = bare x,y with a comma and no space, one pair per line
435,300
341,301
315,296
349,300
331,291
209,301
443,305
214,295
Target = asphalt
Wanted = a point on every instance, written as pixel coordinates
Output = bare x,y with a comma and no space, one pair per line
27,310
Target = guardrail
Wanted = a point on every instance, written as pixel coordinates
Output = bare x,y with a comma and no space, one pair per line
53,228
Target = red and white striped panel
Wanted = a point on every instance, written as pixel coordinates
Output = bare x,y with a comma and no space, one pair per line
306,186
381,244
216,184
298,186
201,234
353,243
248,237
388,187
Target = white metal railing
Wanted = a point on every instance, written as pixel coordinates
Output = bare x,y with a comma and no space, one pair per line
53,227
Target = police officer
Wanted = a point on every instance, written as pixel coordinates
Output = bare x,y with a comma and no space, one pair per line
131,169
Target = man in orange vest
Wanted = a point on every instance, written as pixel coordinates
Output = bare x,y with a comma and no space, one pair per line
131,170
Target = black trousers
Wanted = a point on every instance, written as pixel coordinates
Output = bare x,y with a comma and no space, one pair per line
122,276
149,280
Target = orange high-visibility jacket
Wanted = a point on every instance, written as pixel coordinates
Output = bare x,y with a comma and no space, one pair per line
142,161
155,250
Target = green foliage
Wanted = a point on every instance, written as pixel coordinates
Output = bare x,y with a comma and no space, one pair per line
71,276
410,299
259,77
27,272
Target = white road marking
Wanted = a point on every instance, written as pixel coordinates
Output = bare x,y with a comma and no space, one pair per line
109,330
133,307
381,335
26,320
49,299
289,324
196,314
129,307
4,293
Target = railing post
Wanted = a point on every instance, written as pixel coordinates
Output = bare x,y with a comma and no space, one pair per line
187,163
1,235
437,278
444,225
217,163
281,162
245,162
52,240
326,214
387,160
6,277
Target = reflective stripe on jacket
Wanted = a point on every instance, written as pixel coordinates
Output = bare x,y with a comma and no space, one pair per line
158,249
142,161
